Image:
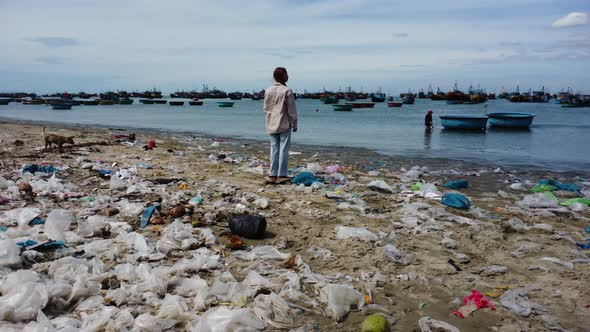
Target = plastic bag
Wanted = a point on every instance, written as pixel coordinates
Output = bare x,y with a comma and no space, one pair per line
428,324
130,209
457,201
21,216
539,188
332,169
516,300
305,178
58,221
176,235
560,185
262,252
457,184
396,255
340,300
274,310
314,168
116,183
429,190
23,301
222,319
571,201
380,186
361,233
248,226
539,200
9,253
92,225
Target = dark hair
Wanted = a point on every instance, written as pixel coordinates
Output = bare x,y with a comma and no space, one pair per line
279,75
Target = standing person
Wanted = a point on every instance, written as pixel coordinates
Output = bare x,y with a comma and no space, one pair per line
428,120
281,119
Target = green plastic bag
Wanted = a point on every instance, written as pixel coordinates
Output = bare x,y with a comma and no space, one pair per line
575,200
542,188
417,186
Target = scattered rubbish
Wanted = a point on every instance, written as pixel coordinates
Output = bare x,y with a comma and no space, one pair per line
58,221
456,184
473,302
516,300
248,226
147,215
454,264
34,168
380,186
497,292
340,300
428,324
560,185
305,178
397,256
539,200
571,201
456,201
361,233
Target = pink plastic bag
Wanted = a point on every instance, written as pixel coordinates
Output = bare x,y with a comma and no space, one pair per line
473,302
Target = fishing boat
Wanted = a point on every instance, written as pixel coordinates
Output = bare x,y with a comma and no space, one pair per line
195,102
578,101
394,104
5,101
464,122
408,99
126,101
361,105
62,106
378,97
160,101
33,102
330,100
510,120
455,102
176,103
89,102
106,102
342,107
225,103
147,101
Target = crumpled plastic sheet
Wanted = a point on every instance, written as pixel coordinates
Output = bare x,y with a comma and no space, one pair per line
222,319
428,324
397,256
361,233
340,300
517,301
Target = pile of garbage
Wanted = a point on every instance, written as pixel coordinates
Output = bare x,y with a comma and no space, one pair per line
139,244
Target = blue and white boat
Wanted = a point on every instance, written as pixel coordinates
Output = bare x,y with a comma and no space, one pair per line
511,120
464,122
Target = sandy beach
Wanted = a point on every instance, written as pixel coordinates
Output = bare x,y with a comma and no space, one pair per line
361,231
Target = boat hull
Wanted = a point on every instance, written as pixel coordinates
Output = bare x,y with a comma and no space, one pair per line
225,104
195,103
62,107
342,108
394,104
361,105
510,120
176,103
464,122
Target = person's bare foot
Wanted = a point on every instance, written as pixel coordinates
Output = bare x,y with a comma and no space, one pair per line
283,179
271,180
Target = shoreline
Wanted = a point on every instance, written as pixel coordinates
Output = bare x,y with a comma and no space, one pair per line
349,154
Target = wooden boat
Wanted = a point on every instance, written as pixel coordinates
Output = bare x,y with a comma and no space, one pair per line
342,107
225,103
89,102
361,105
455,102
34,102
464,122
394,104
160,101
147,101
62,106
176,103
578,101
126,101
378,97
408,99
330,100
510,120
195,102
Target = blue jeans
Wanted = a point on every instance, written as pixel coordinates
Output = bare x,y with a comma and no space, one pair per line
279,153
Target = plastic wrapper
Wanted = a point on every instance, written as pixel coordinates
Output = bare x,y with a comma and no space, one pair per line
428,324
361,233
58,221
396,255
177,236
263,252
23,301
538,200
130,209
116,183
274,311
516,300
21,216
380,186
9,253
222,319
340,300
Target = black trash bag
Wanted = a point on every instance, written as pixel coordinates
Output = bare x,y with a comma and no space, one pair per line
248,226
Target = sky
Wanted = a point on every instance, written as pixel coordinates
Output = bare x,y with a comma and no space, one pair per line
93,46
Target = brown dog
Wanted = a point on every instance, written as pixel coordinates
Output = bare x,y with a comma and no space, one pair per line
56,139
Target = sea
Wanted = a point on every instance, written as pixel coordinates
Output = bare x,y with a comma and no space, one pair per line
559,138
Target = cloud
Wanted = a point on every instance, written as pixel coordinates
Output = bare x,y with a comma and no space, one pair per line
50,60
570,20
55,42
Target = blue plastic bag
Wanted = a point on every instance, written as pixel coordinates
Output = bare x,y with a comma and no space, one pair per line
305,178
457,184
561,185
38,168
456,201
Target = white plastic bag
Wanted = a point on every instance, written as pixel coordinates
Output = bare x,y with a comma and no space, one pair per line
23,302
428,324
361,233
130,209
222,319
9,253
58,221
396,255
176,236
341,299
21,217
116,183
516,300
381,186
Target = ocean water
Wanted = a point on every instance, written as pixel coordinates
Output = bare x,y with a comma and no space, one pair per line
559,138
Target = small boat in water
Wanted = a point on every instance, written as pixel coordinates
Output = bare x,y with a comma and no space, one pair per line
5,101
464,122
511,120
225,103
342,107
455,102
408,99
176,103
330,100
126,101
195,102
361,105
394,104
62,106
33,102
578,101
106,102
147,101
160,101
89,102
